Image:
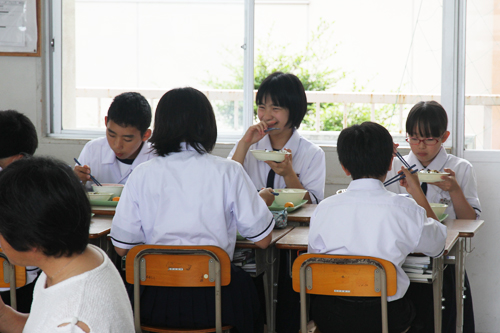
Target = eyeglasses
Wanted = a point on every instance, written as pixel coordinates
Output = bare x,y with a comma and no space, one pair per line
427,141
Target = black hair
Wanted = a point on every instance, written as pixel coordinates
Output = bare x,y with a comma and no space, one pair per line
286,91
365,150
429,118
17,134
131,109
43,205
184,115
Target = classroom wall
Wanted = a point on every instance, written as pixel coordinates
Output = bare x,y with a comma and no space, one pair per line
22,88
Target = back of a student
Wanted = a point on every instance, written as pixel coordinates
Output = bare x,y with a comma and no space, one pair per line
369,220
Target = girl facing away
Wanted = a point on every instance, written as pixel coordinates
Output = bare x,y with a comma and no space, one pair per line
186,196
426,128
282,104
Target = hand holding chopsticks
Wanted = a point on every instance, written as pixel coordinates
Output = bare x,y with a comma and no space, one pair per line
399,176
91,177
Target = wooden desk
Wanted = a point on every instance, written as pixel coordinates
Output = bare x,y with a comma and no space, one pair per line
267,262
297,239
100,226
302,214
103,210
466,229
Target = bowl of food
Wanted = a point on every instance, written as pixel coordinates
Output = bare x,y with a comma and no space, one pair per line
114,189
431,176
293,195
270,155
94,196
438,209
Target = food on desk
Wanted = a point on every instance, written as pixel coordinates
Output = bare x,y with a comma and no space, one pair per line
431,176
289,204
116,199
115,189
438,209
268,155
293,195
97,196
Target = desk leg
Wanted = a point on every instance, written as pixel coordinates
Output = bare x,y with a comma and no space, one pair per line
437,293
459,282
269,259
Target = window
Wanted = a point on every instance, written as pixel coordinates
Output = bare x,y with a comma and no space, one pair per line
359,60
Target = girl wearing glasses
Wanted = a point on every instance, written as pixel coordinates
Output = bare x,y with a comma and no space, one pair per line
426,128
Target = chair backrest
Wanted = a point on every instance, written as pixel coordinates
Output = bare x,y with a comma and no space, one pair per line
178,266
334,275
11,277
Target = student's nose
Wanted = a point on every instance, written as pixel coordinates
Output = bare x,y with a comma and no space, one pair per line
422,145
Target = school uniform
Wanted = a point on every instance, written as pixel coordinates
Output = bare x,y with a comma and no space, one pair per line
187,198
421,294
464,174
104,165
308,163
369,220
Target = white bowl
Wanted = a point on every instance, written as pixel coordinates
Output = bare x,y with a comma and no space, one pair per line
115,189
438,208
293,195
432,177
99,196
276,156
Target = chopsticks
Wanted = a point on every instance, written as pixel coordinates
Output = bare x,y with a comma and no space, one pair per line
91,177
271,129
399,176
406,164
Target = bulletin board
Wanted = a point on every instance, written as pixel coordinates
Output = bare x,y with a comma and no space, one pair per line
20,28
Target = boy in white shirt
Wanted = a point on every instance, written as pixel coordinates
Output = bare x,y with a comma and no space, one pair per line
369,220
113,158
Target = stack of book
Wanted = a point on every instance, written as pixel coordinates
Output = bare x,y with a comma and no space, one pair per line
245,258
418,269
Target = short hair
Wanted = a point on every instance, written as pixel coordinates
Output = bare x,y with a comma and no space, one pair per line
184,115
429,118
43,205
17,134
131,109
365,150
285,90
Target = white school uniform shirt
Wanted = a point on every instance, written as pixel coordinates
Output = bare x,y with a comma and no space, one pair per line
104,165
308,161
464,174
368,220
187,198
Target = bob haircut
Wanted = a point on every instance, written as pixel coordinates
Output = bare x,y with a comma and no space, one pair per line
286,91
17,134
43,205
428,118
184,115
131,109
365,150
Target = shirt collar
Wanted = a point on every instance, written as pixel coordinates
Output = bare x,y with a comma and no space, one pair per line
437,163
292,143
365,184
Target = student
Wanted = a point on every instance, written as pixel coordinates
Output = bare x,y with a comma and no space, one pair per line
282,104
18,139
426,127
186,196
113,158
369,220
44,221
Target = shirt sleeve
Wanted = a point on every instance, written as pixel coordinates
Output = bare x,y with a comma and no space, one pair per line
126,228
469,188
253,219
314,180
315,241
432,239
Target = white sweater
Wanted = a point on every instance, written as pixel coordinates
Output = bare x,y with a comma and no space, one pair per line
96,298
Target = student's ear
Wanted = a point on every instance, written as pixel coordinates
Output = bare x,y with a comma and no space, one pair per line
105,120
446,135
146,135
347,173
390,165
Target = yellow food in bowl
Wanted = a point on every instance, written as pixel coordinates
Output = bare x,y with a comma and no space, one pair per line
289,204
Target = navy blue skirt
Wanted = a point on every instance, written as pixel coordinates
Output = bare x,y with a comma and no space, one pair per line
194,307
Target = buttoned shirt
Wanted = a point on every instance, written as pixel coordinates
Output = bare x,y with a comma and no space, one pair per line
464,174
187,198
368,220
308,161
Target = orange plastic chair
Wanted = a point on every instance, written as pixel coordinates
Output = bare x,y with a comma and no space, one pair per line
325,274
11,277
178,266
